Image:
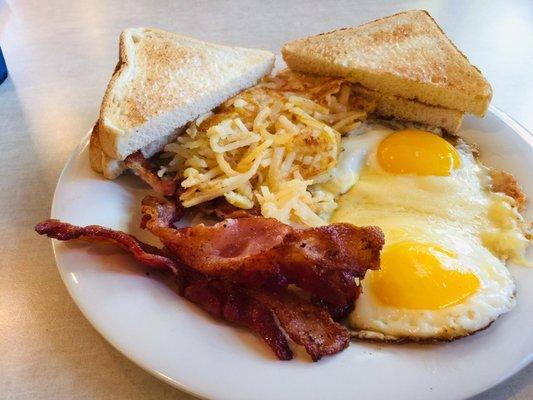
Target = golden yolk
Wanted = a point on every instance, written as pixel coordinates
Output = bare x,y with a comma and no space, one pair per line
417,152
412,276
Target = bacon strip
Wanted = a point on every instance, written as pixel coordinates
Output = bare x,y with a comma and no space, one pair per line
224,300
143,252
144,169
238,270
307,325
263,252
217,298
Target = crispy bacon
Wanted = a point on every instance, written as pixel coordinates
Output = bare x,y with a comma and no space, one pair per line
144,169
143,252
239,270
259,252
219,299
227,301
306,324
327,260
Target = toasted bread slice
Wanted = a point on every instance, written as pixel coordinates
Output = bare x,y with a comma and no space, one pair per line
406,55
112,168
165,80
389,106
100,162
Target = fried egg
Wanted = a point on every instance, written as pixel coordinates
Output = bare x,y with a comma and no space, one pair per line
447,235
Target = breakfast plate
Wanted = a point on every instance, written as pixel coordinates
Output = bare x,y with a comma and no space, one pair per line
180,344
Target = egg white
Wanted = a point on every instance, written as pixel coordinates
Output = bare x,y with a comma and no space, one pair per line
494,296
457,212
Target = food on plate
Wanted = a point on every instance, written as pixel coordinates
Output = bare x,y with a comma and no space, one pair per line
267,148
271,148
405,56
325,261
399,108
162,81
312,173
447,235
241,269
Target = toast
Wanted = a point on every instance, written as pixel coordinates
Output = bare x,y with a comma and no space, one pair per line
100,162
111,168
165,80
389,106
406,55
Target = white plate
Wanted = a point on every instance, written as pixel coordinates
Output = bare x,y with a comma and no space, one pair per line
180,344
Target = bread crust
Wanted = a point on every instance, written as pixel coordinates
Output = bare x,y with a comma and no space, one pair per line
99,161
123,63
95,151
389,106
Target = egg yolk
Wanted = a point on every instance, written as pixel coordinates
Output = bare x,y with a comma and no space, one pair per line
412,276
417,152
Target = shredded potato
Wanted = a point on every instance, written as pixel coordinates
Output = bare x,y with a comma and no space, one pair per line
267,147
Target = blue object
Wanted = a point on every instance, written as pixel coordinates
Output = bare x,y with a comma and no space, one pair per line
3,67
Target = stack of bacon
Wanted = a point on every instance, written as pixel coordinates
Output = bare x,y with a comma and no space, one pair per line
256,272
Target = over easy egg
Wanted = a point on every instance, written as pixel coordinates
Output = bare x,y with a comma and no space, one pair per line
442,272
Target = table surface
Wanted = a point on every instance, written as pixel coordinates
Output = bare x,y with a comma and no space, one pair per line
60,55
